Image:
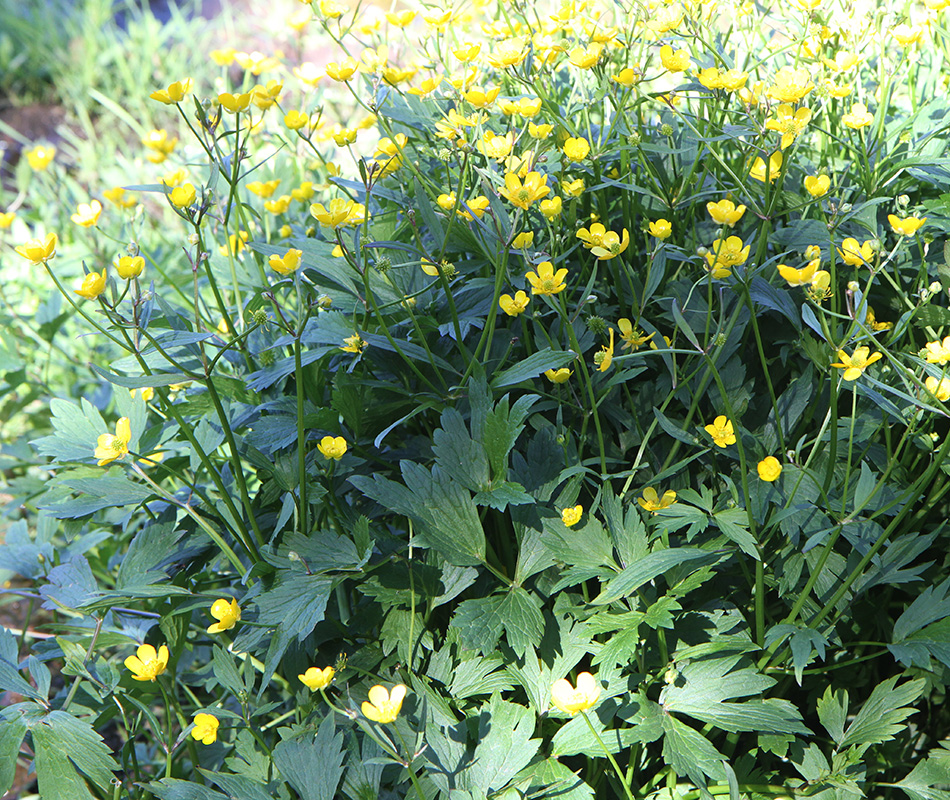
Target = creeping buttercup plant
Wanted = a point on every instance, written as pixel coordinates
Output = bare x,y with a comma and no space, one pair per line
534,403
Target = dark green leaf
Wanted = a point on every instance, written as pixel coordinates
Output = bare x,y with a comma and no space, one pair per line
313,766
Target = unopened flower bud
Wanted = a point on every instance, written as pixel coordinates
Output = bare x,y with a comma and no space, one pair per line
193,239
853,286
935,287
903,200
132,249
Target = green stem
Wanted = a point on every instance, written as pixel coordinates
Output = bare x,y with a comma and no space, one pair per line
610,758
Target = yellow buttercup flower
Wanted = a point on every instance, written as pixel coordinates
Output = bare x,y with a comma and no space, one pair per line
661,229
570,700
87,214
183,196
724,254
481,98
513,306
790,85
817,185
175,93
907,226
339,212
39,250
234,103
558,375
576,149
332,447
551,208
938,388
315,678
571,516
605,356
789,123
853,254
129,267
769,469
110,447
384,706
227,613
612,245
574,188
40,156
263,189
585,57
760,172
593,237
523,240
147,664
675,60
401,18
205,728
279,205
508,53
652,502
522,195
799,277
93,285
938,352
721,431
631,336
855,364
858,117
6,219
342,70
116,196
546,280
288,263
725,212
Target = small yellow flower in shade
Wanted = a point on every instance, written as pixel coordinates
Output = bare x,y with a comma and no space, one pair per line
117,196
789,123
817,185
129,267
110,447
183,196
907,226
938,388
226,612
558,375
390,153
522,195
853,254
570,700
799,277
87,214
611,245
769,469
476,206
661,229
175,177
467,52
652,502
571,516
332,447
315,678
523,240
147,393
384,706
92,286
721,431
760,172
288,263
175,93
39,250
263,188
574,188
790,85
481,98
576,148
205,728
627,77
855,364
339,212
6,219
725,212
401,18
147,664
675,60
631,336
295,120
40,156
342,70
236,243
279,205
605,356
513,306
938,352
546,280
551,208
873,324
585,57
508,53
858,117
